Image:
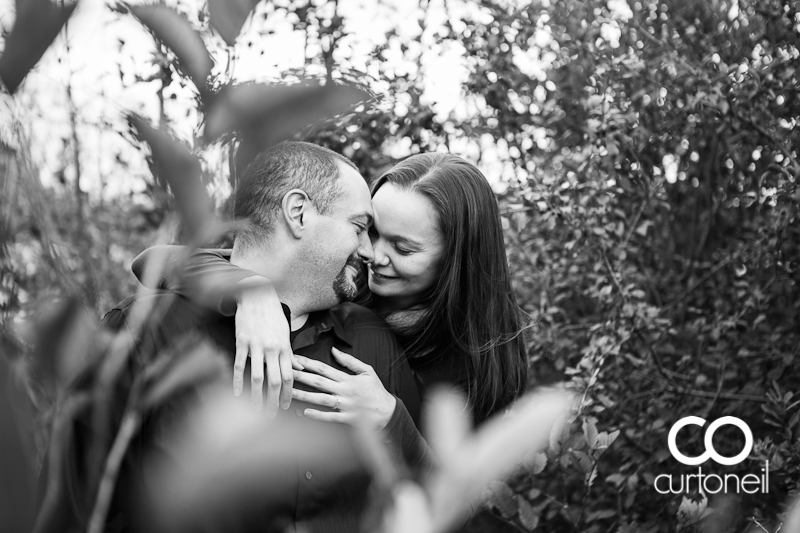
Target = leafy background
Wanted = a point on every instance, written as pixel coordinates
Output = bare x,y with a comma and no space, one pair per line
644,155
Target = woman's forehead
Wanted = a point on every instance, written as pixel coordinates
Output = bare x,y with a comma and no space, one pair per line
404,212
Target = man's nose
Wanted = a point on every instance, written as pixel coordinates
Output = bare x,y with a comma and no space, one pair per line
365,251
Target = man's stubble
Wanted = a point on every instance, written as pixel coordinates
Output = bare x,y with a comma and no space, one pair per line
344,287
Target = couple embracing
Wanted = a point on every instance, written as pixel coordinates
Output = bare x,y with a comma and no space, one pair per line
421,251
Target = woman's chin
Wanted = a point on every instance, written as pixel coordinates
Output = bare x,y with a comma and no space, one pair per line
379,290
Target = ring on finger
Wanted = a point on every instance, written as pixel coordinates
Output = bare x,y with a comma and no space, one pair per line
336,405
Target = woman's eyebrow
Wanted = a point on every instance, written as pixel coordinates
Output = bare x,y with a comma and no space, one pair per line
403,240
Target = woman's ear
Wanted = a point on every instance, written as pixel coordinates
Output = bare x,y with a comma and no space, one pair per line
296,207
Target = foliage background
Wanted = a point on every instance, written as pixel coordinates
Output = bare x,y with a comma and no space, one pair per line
644,155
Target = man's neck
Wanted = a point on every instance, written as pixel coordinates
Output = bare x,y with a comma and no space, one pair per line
266,265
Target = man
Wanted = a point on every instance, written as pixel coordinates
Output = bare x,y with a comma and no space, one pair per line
308,210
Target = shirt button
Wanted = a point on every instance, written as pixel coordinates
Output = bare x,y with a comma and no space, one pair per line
308,475
299,412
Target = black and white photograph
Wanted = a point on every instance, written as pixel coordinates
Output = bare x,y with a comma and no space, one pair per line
399,266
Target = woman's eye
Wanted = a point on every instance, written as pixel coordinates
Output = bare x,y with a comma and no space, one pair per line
402,251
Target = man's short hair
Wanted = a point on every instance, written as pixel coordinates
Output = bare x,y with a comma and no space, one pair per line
276,171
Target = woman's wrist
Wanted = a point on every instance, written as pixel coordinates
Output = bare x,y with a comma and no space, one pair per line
245,286
386,410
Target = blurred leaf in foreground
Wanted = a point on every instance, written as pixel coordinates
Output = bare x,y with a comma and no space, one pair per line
228,464
792,520
228,16
469,462
174,164
16,468
264,115
178,35
65,341
37,24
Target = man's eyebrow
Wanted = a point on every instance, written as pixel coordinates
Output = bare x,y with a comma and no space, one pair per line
365,215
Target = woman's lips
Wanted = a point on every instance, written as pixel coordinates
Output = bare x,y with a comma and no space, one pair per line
380,276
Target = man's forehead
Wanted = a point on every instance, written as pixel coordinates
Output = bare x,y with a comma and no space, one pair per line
356,201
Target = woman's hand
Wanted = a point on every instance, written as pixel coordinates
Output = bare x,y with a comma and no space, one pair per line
359,398
262,332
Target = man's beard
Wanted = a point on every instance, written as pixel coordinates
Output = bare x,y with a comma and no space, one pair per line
343,287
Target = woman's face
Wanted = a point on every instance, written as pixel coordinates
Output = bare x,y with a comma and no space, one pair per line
408,246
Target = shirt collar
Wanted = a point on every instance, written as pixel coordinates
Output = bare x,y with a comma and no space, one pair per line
328,320
321,322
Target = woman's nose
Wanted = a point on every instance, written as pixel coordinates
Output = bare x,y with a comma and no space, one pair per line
380,258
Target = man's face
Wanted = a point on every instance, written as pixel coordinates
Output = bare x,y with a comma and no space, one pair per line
338,241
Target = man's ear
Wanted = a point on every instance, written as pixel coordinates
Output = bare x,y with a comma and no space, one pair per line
296,208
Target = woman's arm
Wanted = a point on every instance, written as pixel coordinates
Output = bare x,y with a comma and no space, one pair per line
204,276
361,398
207,278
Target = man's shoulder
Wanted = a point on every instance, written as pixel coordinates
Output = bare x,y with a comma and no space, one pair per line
154,297
150,300
164,308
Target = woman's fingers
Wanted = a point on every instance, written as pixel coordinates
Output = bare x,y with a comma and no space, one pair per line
239,365
274,381
315,380
256,376
350,362
287,378
317,398
327,416
323,369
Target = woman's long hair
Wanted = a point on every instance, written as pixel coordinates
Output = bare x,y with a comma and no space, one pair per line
471,310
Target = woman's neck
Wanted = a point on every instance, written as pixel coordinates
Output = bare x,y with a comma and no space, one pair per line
387,306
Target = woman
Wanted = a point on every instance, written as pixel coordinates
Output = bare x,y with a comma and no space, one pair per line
440,280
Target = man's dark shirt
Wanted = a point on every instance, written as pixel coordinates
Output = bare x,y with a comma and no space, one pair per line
348,327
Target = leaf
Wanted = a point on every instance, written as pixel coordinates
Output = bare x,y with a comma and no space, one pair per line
691,511
448,425
601,514
188,364
17,480
228,17
178,35
264,115
616,479
538,462
527,514
174,164
65,341
604,440
584,462
590,431
642,229
37,24
60,479
494,451
227,450
792,520
500,496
